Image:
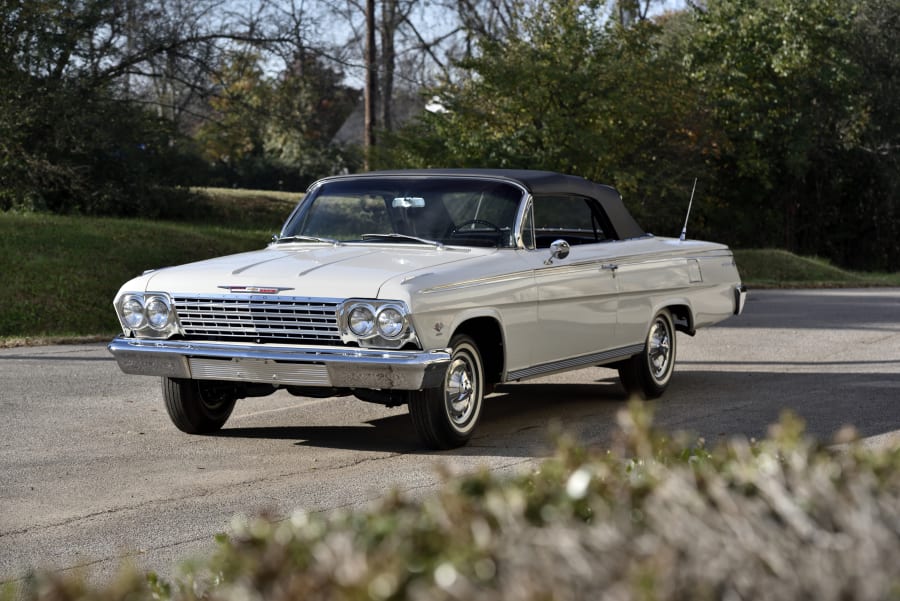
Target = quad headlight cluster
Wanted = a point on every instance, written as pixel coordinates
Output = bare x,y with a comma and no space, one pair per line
375,322
149,315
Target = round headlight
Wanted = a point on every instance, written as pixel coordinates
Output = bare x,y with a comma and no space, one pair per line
361,321
390,322
133,313
157,312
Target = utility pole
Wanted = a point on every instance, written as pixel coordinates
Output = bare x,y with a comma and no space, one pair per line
371,82
130,33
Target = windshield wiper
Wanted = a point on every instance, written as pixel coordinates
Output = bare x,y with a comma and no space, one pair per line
403,238
306,239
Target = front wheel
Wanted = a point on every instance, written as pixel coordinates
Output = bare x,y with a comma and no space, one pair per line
197,406
648,374
445,417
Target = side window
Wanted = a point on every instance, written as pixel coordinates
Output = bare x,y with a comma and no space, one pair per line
575,219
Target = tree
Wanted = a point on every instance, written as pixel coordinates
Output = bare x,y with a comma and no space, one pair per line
575,93
629,12
790,102
869,170
235,130
98,95
396,47
70,143
526,103
786,113
371,91
310,102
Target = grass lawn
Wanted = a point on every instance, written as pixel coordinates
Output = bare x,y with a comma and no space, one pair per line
773,268
60,273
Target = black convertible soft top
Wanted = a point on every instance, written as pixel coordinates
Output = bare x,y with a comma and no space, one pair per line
538,183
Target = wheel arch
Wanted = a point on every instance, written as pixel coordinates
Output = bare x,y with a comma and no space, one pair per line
682,316
488,336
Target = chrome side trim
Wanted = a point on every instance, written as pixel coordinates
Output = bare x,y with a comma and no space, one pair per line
498,279
278,364
575,362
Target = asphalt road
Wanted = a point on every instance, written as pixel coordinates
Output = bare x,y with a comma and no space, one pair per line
92,474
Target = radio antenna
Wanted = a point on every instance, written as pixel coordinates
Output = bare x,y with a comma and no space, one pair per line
686,217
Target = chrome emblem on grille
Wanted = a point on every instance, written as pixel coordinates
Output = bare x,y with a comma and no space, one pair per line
254,289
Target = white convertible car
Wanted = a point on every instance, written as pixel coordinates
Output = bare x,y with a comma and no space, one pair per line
425,288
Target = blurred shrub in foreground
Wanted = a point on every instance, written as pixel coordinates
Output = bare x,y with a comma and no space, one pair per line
652,518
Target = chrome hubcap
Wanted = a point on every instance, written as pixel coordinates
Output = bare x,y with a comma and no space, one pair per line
459,392
659,347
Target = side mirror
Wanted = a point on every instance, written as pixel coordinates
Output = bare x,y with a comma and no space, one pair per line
559,249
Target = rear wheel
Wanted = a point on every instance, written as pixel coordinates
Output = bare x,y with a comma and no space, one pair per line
648,374
197,406
445,417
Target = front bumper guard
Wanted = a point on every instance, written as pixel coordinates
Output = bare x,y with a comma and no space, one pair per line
282,365
740,298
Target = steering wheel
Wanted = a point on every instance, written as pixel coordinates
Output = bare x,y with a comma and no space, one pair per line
453,229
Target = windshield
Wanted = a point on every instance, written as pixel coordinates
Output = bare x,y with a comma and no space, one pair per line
453,211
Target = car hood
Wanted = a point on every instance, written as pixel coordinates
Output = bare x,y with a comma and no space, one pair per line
312,271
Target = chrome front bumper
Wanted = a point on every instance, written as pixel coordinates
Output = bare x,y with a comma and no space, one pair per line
285,365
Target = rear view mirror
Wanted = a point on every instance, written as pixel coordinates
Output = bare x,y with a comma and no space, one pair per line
408,202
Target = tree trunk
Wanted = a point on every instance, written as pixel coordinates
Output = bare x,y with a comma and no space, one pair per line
371,82
389,22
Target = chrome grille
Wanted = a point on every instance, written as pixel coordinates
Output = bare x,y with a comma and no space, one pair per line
263,318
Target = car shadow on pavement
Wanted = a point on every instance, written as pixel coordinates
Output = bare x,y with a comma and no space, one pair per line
719,405
517,420
392,434
523,419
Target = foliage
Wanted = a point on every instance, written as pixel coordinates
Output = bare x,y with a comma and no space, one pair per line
68,141
105,105
309,106
574,95
785,112
654,517
276,132
65,148
234,134
527,106
794,106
